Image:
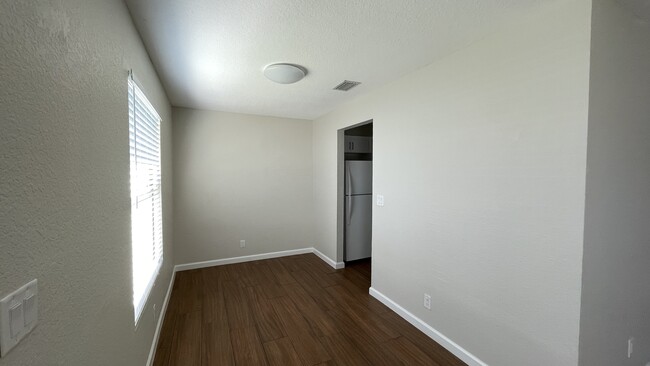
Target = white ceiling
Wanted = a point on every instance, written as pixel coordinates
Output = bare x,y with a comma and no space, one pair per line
210,53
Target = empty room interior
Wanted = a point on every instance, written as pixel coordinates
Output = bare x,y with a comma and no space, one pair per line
300,182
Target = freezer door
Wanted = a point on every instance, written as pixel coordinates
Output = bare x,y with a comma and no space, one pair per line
358,228
358,177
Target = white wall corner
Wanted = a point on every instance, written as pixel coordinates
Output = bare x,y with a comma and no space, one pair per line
328,260
425,328
161,319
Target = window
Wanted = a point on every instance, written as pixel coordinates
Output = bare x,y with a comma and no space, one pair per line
146,205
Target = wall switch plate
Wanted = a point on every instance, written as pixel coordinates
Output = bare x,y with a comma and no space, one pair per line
18,316
29,309
242,243
16,319
380,200
427,301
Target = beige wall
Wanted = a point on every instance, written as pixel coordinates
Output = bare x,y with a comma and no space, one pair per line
64,181
615,287
488,218
481,157
240,177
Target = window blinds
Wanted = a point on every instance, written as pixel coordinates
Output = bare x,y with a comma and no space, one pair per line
146,205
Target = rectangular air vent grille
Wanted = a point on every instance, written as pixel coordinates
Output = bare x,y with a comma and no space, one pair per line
346,85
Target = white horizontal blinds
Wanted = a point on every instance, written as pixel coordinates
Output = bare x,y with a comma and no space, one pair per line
146,204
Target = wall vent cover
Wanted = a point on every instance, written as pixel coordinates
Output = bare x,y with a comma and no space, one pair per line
346,85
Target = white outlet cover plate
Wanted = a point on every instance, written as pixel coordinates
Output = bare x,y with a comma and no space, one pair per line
27,296
427,301
380,200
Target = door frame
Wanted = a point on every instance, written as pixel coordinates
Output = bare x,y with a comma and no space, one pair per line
340,189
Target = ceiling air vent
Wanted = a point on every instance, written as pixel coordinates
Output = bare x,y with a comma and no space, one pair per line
346,85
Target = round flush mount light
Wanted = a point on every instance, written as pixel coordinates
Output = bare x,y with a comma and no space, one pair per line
284,73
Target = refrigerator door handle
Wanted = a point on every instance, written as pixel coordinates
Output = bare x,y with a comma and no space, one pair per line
348,210
348,178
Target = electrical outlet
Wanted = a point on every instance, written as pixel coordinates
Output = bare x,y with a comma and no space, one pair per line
630,347
242,243
427,301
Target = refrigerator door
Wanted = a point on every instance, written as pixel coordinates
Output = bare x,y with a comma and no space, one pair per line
358,177
358,229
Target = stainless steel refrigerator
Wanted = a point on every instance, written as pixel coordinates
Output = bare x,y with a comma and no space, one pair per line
358,209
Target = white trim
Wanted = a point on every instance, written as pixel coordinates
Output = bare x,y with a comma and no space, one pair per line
161,317
246,258
425,328
138,308
328,260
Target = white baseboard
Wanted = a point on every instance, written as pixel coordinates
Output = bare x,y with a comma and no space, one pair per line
246,258
161,318
328,260
425,328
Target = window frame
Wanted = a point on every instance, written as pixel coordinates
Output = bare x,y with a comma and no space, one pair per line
138,105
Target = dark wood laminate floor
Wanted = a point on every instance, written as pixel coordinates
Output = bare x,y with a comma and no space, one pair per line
287,311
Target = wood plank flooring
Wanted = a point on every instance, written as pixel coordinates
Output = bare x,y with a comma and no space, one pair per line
287,311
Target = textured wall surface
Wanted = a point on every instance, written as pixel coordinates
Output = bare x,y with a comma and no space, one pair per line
64,178
481,157
237,177
615,287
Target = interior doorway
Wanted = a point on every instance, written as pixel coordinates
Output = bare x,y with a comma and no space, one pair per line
355,194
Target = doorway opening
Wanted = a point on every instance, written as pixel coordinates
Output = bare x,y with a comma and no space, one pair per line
355,195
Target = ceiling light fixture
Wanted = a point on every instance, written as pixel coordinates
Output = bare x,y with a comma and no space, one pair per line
285,73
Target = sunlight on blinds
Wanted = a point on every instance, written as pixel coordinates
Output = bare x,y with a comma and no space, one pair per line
146,205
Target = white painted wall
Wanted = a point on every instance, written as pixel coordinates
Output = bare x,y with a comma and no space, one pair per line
481,157
64,178
616,286
239,176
